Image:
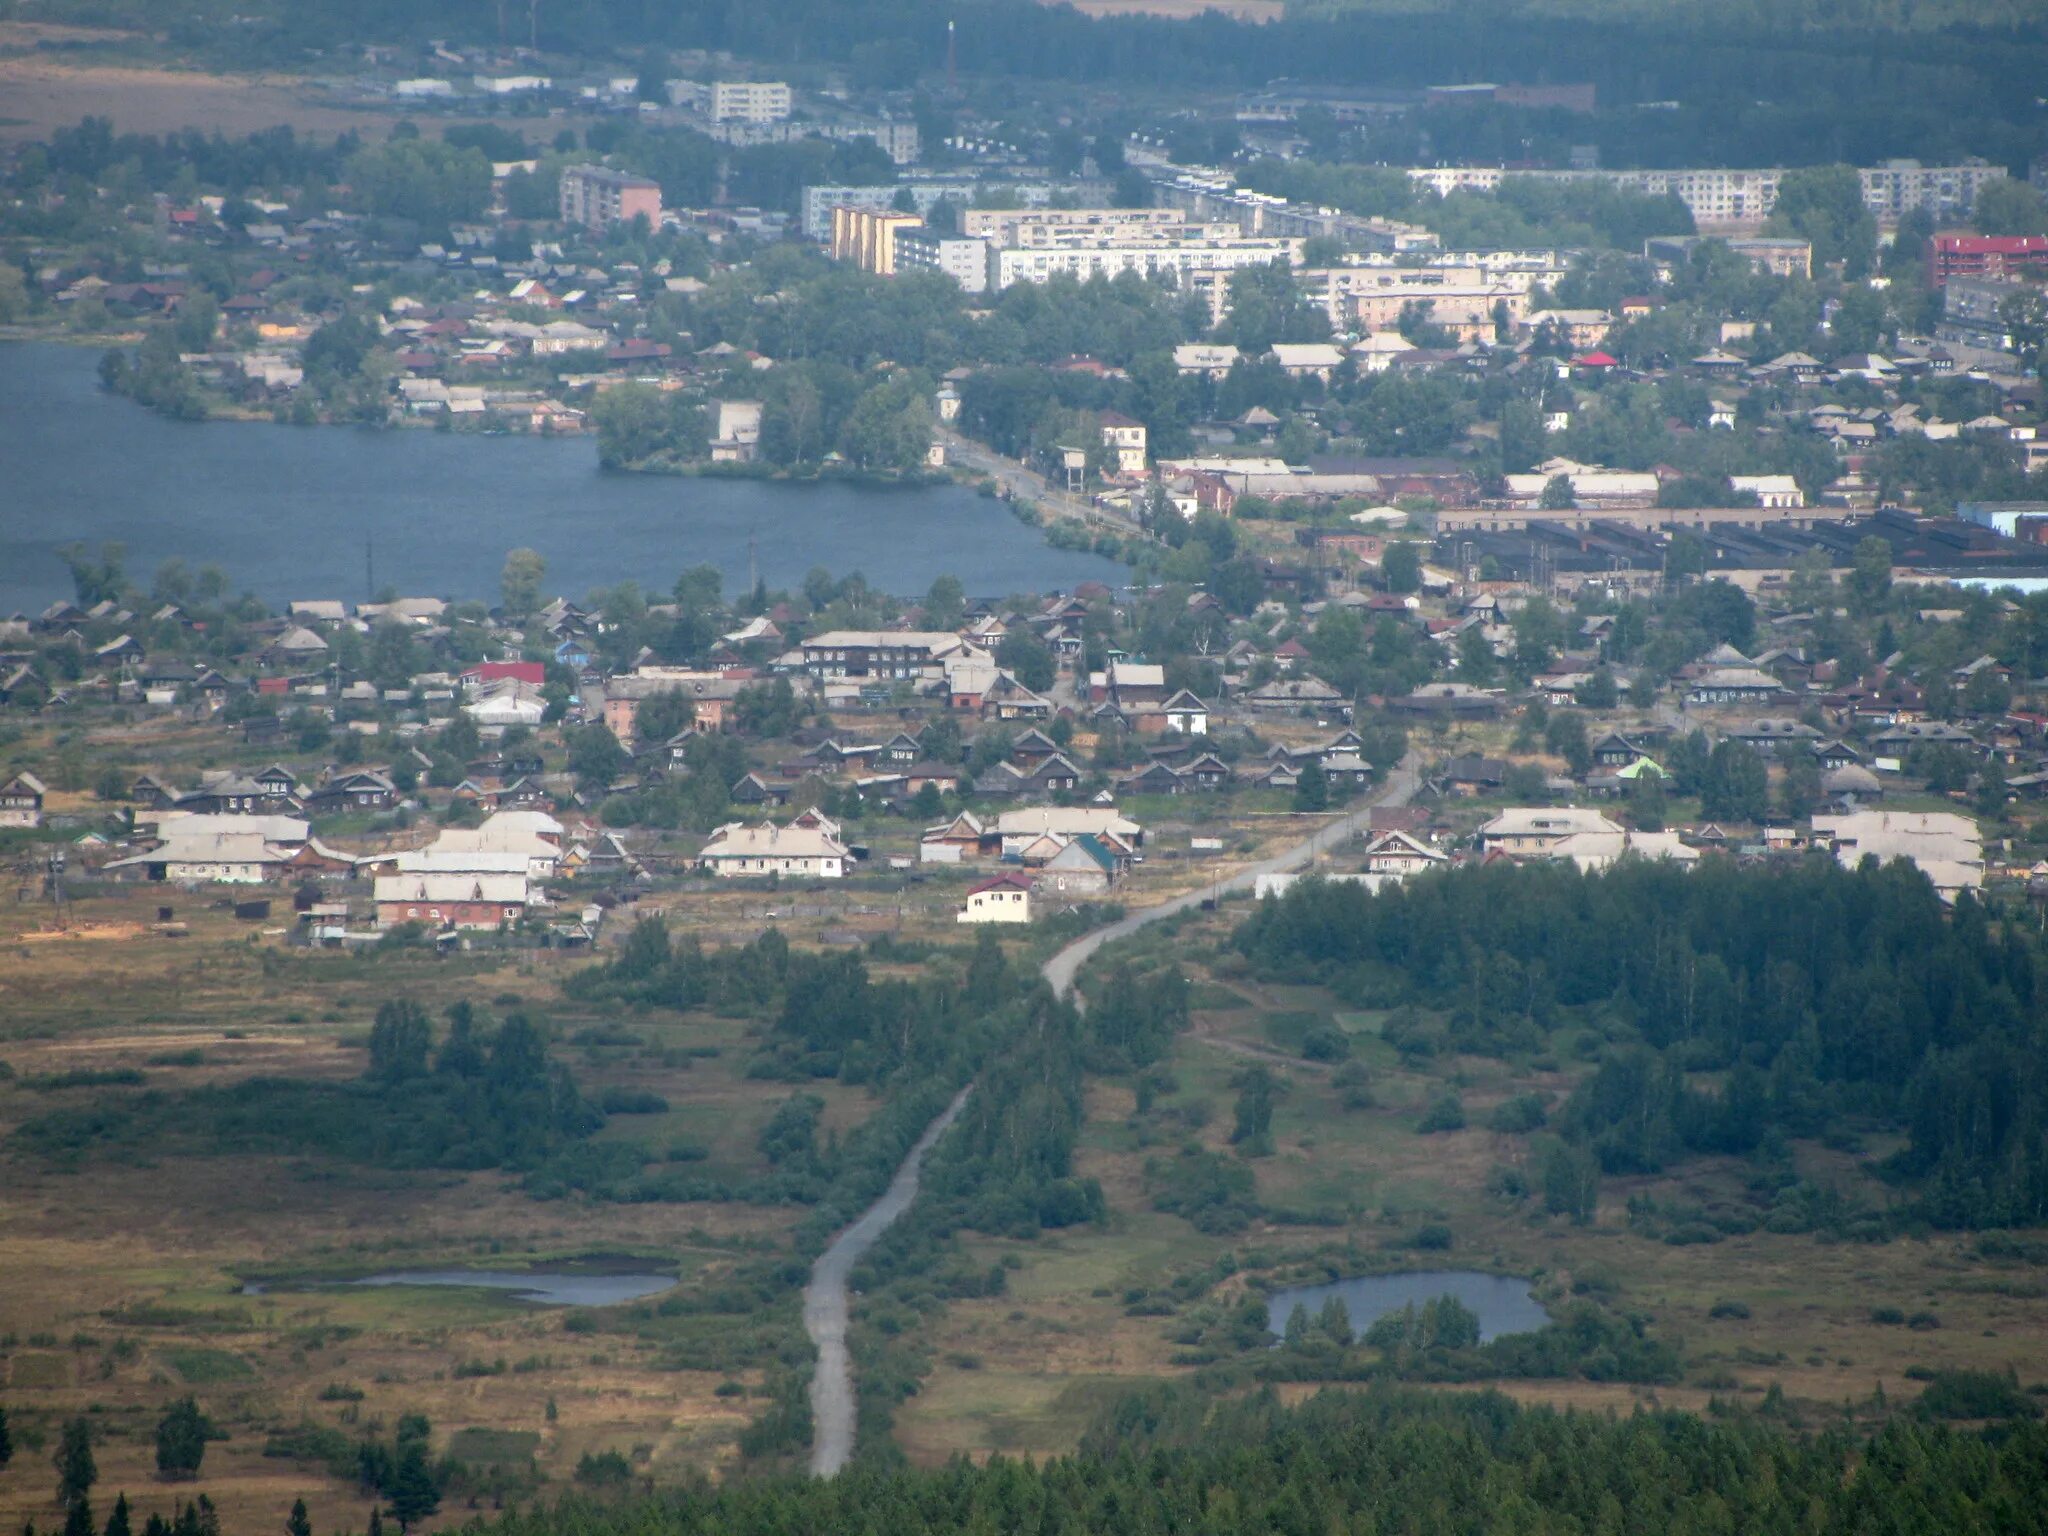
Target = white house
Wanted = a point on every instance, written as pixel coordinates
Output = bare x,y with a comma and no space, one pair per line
1396,853
1124,438
1006,898
1770,490
737,851
21,801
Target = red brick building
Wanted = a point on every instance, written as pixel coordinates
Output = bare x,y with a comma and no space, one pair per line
1957,255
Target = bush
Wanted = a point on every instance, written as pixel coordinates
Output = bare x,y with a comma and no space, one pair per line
604,1469
1976,1395
1734,1309
632,1101
1434,1238
1326,1042
1890,1317
1520,1115
1445,1114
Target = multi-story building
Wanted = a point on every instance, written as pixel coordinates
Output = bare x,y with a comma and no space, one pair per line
596,197
1777,257
1007,226
1188,261
1468,302
1727,198
887,653
896,138
1970,312
1951,256
1124,440
925,193
964,258
867,237
749,101
1907,186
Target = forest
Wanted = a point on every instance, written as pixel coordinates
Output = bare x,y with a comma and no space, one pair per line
1762,89
1727,1009
1175,1459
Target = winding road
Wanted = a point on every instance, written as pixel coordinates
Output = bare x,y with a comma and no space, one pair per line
833,1410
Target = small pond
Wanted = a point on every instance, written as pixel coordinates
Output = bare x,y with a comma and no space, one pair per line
1503,1302
548,1289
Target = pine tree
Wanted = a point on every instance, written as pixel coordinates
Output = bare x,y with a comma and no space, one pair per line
298,1523
78,1518
76,1470
118,1523
6,1440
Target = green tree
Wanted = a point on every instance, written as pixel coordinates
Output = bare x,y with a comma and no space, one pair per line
1253,1130
76,1469
1571,1182
1558,495
1312,789
6,1440
595,755
519,583
1870,575
1026,657
121,1522
298,1522
1824,204
400,1039
181,1439
945,604
1401,566
664,715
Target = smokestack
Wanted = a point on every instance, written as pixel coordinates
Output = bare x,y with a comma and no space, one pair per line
951,58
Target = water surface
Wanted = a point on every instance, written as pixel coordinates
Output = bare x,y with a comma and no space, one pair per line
548,1289
1504,1303
337,512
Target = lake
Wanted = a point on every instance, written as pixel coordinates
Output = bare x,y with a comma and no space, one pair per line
549,1289
290,512
1504,1304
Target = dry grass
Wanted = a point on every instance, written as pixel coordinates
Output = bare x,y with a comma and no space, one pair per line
1025,1371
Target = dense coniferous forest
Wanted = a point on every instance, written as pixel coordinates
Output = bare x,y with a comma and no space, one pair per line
1730,1008
1176,1460
1788,88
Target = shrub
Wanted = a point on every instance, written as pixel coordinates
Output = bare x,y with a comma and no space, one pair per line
1434,1238
1445,1114
1734,1309
1976,1395
1890,1317
1520,1115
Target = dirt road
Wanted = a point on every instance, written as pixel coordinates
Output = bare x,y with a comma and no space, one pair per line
833,1404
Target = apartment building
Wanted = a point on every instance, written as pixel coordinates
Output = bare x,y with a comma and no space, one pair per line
1002,226
1086,254
1724,198
867,237
1468,302
749,101
595,197
964,258
1951,256
1907,186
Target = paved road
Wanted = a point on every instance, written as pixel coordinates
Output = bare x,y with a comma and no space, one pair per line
833,1409
1022,484
832,1400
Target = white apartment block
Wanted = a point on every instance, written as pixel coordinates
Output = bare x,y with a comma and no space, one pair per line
1723,198
1187,261
1466,301
750,101
964,258
1003,225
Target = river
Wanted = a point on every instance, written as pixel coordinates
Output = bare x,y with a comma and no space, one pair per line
834,1406
300,512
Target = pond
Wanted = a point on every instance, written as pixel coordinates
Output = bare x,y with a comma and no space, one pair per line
543,1287
1503,1303
337,512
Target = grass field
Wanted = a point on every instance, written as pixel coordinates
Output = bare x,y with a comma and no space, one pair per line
1026,1371
120,1283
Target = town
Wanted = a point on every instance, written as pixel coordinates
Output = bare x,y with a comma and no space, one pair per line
835,765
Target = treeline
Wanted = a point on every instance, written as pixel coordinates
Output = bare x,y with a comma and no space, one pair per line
1816,87
484,1097
1175,1459
1738,1006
